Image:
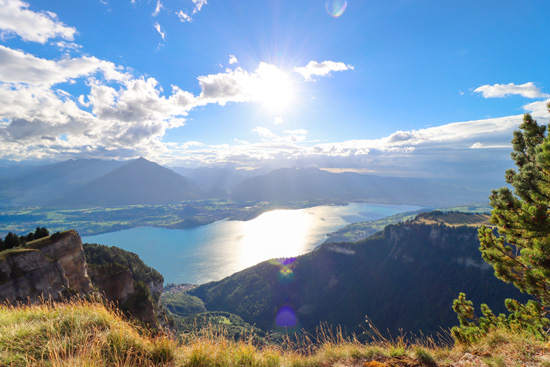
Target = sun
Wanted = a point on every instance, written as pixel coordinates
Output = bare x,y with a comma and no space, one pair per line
275,90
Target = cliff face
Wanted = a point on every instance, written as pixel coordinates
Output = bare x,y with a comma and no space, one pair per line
67,251
116,285
47,268
56,267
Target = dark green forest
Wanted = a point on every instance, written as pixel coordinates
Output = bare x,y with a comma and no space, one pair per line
404,277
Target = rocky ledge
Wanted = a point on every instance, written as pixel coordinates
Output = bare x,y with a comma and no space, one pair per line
50,267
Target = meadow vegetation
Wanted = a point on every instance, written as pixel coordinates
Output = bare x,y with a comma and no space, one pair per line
96,220
90,333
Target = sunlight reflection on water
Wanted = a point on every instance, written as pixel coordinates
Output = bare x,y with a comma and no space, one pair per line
211,252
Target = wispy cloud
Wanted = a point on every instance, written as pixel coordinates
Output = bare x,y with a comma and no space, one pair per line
63,45
17,19
264,132
183,16
314,68
157,27
157,8
233,60
191,144
291,137
198,5
527,90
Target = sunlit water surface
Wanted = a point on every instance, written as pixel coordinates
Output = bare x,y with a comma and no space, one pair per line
214,251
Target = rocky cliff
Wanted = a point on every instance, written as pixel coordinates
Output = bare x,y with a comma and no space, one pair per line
123,278
50,267
56,267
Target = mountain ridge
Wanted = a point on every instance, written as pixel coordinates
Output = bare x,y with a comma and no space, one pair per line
292,184
404,277
137,182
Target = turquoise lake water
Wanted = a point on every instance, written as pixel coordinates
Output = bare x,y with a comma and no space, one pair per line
214,251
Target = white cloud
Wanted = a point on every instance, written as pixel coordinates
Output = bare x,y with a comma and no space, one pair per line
233,60
479,145
264,132
232,86
314,68
157,9
191,144
124,116
127,121
479,149
68,45
266,82
184,17
129,116
278,120
537,109
157,27
16,18
527,90
198,5
19,67
292,136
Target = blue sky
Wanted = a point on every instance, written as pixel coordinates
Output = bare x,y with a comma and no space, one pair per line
398,87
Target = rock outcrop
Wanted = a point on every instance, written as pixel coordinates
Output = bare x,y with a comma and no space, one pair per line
50,268
55,267
115,284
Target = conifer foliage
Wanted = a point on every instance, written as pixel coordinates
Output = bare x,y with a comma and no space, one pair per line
520,251
520,254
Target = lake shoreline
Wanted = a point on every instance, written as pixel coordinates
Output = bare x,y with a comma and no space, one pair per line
210,252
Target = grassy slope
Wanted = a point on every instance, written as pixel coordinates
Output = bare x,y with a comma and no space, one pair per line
89,334
361,230
454,219
358,231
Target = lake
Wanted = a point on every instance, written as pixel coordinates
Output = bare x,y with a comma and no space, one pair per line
214,251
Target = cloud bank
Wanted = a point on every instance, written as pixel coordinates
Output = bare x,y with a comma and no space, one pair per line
527,90
17,19
118,114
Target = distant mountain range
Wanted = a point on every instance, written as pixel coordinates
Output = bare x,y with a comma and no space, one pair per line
38,185
217,179
404,277
293,184
89,183
137,182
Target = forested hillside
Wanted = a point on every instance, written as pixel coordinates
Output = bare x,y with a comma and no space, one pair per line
405,277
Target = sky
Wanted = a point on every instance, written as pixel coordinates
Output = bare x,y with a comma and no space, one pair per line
424,88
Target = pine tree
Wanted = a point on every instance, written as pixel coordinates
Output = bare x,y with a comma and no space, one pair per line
12,240
41,232
520,253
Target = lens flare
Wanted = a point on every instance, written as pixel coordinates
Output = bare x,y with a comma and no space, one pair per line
286,317
335,8
286,274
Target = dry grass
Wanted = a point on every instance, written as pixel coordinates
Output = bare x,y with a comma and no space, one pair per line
81,333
